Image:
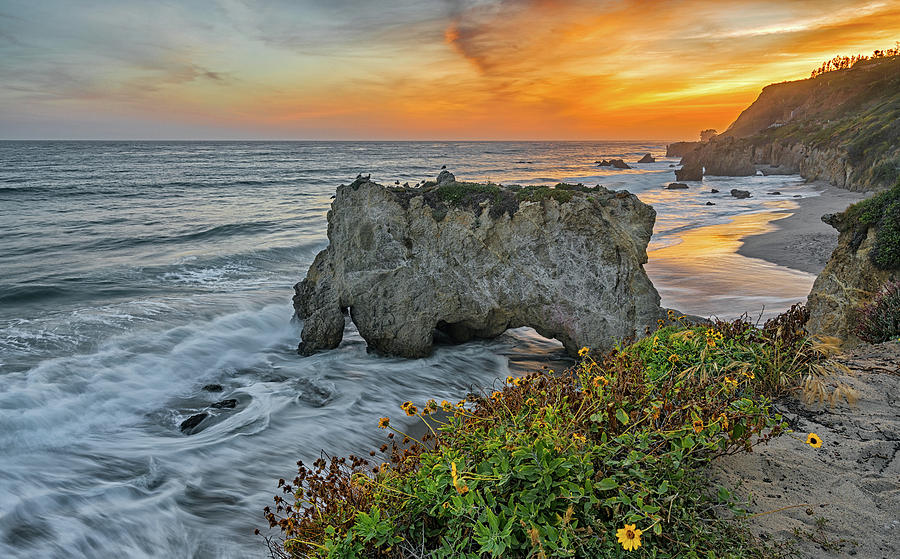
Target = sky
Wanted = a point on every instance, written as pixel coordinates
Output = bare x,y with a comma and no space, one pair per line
410,69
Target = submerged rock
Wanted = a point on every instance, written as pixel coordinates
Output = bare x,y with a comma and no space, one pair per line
474,260
741,194
188,425
676,186
213,388
230,403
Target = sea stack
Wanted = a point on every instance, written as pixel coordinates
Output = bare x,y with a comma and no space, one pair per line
473,260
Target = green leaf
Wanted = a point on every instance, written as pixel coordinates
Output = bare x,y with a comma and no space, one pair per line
606,484
622,416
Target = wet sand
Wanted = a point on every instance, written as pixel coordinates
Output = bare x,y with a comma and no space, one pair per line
800,240
759,264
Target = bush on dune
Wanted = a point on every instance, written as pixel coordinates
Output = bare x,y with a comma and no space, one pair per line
602,460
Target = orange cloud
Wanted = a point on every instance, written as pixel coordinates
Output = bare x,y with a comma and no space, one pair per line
493,69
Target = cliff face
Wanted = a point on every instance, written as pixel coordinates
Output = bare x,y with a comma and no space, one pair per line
866,258
475,260
842,126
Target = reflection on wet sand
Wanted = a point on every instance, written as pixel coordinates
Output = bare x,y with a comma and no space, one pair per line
703,274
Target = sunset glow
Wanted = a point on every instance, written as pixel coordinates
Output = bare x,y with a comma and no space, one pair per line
407,69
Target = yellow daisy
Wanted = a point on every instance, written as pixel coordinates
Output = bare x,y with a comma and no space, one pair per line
814,440
629,537
384,422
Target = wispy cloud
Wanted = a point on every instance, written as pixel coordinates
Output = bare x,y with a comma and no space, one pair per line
420,68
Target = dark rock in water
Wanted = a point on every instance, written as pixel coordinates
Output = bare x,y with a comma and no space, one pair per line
213,388
714,191
676,186
689,172
797,196
741,194
647,159
710,204
314,394
193,421
776,193
230,403
671,164
443,166
445,177
619,164
604,163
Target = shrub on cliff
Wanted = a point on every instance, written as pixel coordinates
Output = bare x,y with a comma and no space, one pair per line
881,211
879,320
600,459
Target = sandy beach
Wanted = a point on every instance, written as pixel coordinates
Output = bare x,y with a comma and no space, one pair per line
801,240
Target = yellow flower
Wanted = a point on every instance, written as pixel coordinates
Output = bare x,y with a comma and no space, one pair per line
405,405
730,382
673,358
530,402
411,410
600,381
431,405
446,406
749,375
629,537
510,380
698,425
724,420
384,422
813,440
461,489
583,351
495,396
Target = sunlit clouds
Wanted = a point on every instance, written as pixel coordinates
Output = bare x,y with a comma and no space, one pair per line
411,69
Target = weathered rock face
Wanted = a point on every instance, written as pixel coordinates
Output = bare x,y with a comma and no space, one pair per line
849,279
404,263
690,171
647,159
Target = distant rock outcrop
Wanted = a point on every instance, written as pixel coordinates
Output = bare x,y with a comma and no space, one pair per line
840,127
680,149
473,260
647,159
690,171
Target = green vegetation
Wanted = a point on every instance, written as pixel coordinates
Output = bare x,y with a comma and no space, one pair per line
881,211
500,199
598,461
879,320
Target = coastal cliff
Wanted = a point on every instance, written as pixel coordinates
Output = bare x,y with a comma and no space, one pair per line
842,127
866,258
472,260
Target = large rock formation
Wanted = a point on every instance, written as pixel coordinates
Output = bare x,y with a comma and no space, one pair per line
473,260
840,126
852,276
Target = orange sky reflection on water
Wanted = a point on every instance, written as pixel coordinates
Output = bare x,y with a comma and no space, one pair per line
706,261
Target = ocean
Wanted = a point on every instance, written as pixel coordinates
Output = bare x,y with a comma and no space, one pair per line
142,282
